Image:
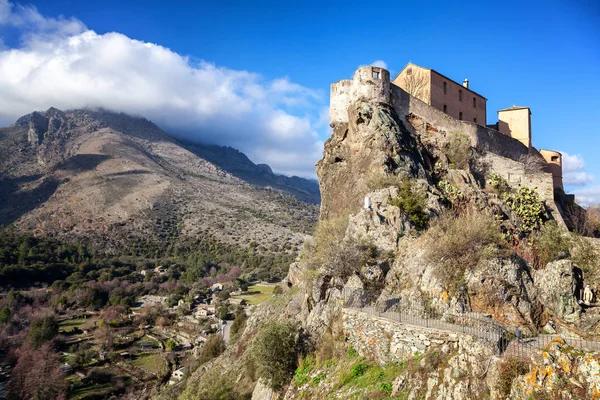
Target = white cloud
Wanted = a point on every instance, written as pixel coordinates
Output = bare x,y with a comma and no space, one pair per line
572,163
588,196
379,63
573,170
61,63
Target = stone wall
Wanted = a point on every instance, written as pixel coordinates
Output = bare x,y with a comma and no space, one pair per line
482,138
385,341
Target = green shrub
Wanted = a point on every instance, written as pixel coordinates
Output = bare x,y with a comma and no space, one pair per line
498,183
170,345
551,240
357,371
526,204
352,352
458,150
412,202
385,387
239,324
274,352
214,346
450,192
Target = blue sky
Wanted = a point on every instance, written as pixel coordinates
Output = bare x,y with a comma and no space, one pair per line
272,62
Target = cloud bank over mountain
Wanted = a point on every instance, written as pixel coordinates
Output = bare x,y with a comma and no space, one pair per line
60,62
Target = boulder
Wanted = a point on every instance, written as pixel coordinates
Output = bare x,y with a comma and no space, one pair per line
558,287
504,288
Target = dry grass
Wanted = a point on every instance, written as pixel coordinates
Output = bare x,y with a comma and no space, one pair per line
456,243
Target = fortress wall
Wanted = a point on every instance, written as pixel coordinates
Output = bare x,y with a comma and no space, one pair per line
363,85
516,176
340,96
482,138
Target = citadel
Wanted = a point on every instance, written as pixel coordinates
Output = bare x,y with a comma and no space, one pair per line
432,104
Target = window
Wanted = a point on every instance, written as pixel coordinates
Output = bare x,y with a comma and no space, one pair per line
409,71
474,102
446,109
554,158
459,95
460,116
376,74
445,88
475,120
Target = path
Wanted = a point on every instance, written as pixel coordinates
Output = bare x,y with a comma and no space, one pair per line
480,328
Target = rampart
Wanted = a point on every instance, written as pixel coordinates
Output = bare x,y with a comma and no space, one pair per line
482,138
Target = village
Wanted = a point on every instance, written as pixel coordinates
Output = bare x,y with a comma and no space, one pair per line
156,341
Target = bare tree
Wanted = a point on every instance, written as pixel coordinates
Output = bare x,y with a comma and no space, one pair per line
37,374
416,85
533,163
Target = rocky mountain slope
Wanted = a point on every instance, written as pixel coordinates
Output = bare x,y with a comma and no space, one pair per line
239,165
113,182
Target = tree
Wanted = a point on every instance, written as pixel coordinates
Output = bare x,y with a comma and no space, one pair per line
42,330
274,351
213,347
222,311
239,323
37,374
105,337
416,85
171,345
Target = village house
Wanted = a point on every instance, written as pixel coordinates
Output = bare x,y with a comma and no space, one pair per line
177,376
216,287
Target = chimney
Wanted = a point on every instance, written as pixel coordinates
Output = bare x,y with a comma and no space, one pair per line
466,83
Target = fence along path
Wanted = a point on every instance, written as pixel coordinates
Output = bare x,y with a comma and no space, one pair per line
480,327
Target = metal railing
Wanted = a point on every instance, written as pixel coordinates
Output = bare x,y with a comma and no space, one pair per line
484,329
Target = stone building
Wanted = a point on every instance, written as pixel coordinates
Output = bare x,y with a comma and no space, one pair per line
441,92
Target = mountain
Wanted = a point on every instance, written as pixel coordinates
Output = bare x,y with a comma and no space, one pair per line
113,181
238,164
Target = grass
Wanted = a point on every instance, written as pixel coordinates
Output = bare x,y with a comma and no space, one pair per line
151,362
264,293
70,324
90,391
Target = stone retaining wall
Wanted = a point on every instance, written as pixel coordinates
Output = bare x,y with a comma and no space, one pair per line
384,340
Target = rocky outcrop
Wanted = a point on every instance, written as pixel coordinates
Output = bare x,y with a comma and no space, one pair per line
262,391
560,372
559,286
504,288
374,143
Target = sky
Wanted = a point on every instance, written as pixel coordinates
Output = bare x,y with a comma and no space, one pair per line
255,75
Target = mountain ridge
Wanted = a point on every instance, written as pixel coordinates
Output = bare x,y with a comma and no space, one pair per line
112,180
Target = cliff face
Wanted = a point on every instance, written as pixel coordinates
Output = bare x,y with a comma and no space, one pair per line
374,143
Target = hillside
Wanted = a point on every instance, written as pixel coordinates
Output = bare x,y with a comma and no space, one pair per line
237,164
119,183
